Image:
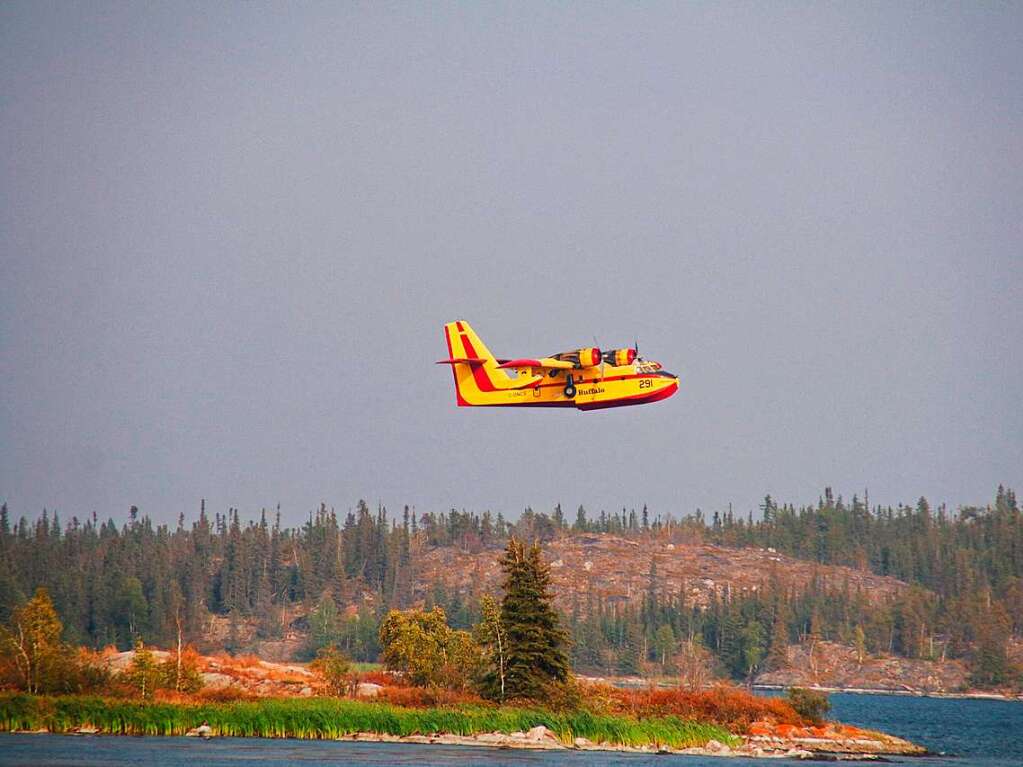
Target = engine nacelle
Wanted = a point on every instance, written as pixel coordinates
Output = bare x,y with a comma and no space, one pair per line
620,357
589,357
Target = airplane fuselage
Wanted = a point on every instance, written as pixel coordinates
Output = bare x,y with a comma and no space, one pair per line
482,380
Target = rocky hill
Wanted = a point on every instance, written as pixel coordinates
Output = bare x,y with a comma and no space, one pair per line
617,570
836,666
828,664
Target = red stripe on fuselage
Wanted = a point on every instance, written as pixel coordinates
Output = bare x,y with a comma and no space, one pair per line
580,381
529,403
637,399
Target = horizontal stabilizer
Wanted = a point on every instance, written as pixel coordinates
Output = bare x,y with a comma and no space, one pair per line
459,360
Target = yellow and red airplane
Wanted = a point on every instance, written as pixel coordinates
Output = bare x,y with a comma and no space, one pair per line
584,378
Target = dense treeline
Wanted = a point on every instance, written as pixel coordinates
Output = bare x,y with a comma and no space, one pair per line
114,584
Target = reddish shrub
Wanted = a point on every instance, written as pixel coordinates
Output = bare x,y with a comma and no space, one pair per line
224,695
291,677
730,707
171,696
849,731
599,697
381,677
236,663
426,697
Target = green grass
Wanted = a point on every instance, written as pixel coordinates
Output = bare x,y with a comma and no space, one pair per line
327,718
362,666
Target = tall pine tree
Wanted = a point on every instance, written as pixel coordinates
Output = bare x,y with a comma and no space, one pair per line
536,656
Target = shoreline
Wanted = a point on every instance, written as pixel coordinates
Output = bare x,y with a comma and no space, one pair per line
330,719
904,693
751,748
637,683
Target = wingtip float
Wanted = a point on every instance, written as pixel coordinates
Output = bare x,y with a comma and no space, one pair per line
586,379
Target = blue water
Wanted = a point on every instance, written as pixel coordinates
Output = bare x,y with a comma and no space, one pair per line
986,732
963,733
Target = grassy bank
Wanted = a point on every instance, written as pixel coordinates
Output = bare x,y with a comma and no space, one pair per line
327,718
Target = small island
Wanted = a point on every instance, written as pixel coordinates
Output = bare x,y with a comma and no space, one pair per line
506,683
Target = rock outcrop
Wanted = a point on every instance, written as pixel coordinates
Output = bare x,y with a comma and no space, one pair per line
615,568
828,738
245,674
837,666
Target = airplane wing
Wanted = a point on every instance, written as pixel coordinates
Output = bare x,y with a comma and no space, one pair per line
457,360
544,362
531,381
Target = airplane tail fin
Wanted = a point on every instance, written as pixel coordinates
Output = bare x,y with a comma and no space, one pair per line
471,362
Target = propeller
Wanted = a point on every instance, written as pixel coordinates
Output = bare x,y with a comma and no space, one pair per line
601,357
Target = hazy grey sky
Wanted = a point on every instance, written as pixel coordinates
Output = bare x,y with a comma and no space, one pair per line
230,235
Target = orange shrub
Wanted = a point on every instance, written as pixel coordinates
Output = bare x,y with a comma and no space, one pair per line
171,696
236,662
382,678
224,695
729,707
426,697
243,663
294,677
190,655
600,697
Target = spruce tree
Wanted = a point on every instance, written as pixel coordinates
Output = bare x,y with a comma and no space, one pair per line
143,674
777,654
536,656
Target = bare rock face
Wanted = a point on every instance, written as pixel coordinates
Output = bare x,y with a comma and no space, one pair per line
828,664
280,650
368,690
616,568
213,680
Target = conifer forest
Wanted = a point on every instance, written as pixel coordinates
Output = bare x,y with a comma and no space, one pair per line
336,577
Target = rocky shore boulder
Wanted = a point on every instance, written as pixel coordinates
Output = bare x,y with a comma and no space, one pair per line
830,738
540,733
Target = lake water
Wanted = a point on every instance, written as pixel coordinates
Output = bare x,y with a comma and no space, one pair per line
986,733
